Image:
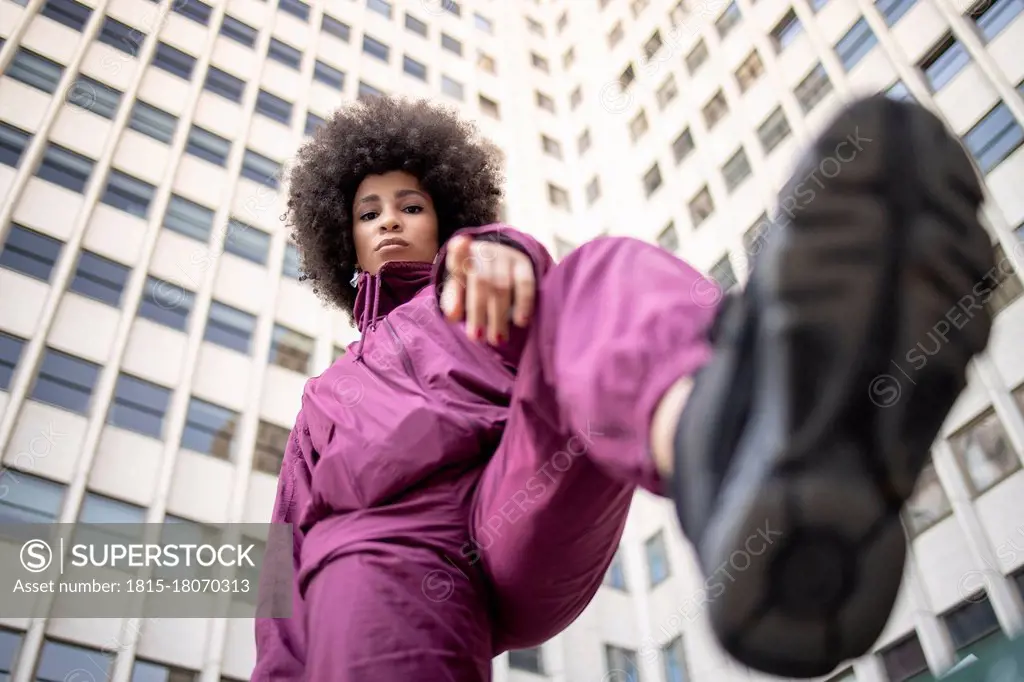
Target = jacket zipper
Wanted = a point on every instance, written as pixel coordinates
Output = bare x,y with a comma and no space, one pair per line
406,361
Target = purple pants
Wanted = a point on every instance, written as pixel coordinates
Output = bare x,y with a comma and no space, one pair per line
617,323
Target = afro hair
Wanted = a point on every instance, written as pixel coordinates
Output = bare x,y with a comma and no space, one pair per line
460,171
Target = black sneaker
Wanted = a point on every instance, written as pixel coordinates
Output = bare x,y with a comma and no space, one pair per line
806,432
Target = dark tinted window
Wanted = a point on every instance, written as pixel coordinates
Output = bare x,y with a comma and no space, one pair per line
30,253
64,167
65,381
100,278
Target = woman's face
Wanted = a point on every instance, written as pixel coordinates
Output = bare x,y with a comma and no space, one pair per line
393,220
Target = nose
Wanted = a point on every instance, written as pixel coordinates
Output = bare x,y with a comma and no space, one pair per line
390,220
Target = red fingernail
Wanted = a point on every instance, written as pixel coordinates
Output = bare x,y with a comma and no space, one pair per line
479,333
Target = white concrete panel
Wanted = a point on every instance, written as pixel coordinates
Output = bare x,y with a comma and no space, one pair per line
115,234
46,441
48,208
142,156
127,466
259,502
21,303
198,489
944,551
77,315
155,352
178,641
282,395
222,376
999,512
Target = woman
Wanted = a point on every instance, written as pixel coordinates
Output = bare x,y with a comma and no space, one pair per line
459,480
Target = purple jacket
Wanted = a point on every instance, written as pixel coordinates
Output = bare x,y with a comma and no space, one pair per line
398,430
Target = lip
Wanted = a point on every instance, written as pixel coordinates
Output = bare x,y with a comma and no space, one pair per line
391,241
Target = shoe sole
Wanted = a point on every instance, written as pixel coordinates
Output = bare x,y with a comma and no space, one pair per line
877,261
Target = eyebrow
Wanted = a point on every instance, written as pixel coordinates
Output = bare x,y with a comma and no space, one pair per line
399,194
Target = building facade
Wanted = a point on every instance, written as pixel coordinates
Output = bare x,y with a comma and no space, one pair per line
154,337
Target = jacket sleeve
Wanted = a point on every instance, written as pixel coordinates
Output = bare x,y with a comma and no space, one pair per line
280,641
500,234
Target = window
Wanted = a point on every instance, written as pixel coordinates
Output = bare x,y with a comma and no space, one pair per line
208,146
723,273
994,137
30,253
296,8
813,88
224,84
291,261
414,68
366,90
984,453
246,241
615,577
59,661
898,91
486,63
992,16
736,170
452,88
575,98
652,180
638,126
545,102
259,168
627,77
155,123
99,278
928,505
786,31
230,327
668,238
65,381
328,75
10,353
674,656
10,643
558,197
904,659
143,671
415,25
623,660
1006,284
773,130
667,91
291,350
238,31
271,442
375,48
93,96
139,406
35,70
313,122
209,429
701,206
451,44
188,218
283,53
568,58
583,142
451,7
551,147
652,45
697,56
338,29
338,352
174,61
535,27
563,21
563,247
857,42
483,23
121,37
728,20
68,12
196,10
756,235
749,71
64,167
970,622
530,660
274,107
128,193
539,62
638,6
166,303
682,145
893,10
615,35
380,6
29,499
944,62
715,110
593,190
657,558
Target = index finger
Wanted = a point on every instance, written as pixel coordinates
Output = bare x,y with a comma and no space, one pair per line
525,287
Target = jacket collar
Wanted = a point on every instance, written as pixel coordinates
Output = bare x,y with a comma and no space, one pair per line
395,283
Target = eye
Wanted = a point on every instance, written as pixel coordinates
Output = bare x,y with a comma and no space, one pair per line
369,215
413,209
